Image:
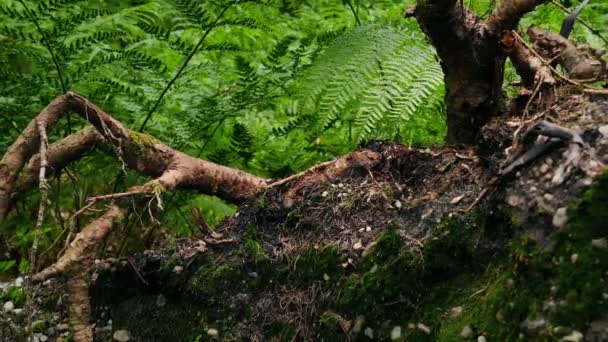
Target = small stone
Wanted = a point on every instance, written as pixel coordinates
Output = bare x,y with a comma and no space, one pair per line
548,197
574,258
500,316
8,306
535,325
19,282
161,300
398,204
358,324
466,332
604,131
396,333
481,338
358,245
17,312
325,193
560,218
121,336
425,329
369,332
43,338
326,277
457,199
213,332
51,331
368,229
178,269
575,336
600,243
514,200
544,168
456,312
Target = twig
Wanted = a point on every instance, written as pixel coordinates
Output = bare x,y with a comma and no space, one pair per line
29,306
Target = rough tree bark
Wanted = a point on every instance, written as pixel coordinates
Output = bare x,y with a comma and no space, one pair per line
471,57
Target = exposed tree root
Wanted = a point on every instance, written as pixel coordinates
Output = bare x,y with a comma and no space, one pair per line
581,62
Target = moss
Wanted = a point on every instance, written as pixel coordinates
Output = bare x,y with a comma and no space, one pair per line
281,331
313,265
141,143
177,320
452,245
388,283
329,326
214,281
254,251
40,327
535,275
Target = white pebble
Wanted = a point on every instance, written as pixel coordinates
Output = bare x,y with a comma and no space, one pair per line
466,332
213,332
9,306
560,218
121,336
600,243
396,333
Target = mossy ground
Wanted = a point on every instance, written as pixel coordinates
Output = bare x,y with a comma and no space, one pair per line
431,291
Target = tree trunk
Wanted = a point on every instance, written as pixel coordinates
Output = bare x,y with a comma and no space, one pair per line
471,58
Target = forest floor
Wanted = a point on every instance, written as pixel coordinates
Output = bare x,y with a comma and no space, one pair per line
416,244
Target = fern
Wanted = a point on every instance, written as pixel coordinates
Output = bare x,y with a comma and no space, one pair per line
372,77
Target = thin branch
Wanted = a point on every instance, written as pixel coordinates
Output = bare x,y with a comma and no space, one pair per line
29,307
183,67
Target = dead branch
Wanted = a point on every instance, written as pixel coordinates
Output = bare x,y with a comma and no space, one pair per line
59,155
85,242
138,151
531,68
22,149
580,62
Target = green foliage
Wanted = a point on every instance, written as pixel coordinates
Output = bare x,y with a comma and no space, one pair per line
371,77
270,87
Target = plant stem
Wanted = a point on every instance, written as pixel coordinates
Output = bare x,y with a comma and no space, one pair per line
181,69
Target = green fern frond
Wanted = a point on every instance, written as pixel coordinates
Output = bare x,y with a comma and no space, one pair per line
374,77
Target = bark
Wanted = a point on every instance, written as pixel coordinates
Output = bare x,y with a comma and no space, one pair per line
532,69
471,58
580,62
59,155
22,149
138,151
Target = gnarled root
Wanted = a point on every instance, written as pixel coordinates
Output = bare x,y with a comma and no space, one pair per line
581,62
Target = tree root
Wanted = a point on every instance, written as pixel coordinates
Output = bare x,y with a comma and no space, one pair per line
580,62
552,136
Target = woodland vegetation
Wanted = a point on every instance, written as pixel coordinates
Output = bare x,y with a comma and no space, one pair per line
303,170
